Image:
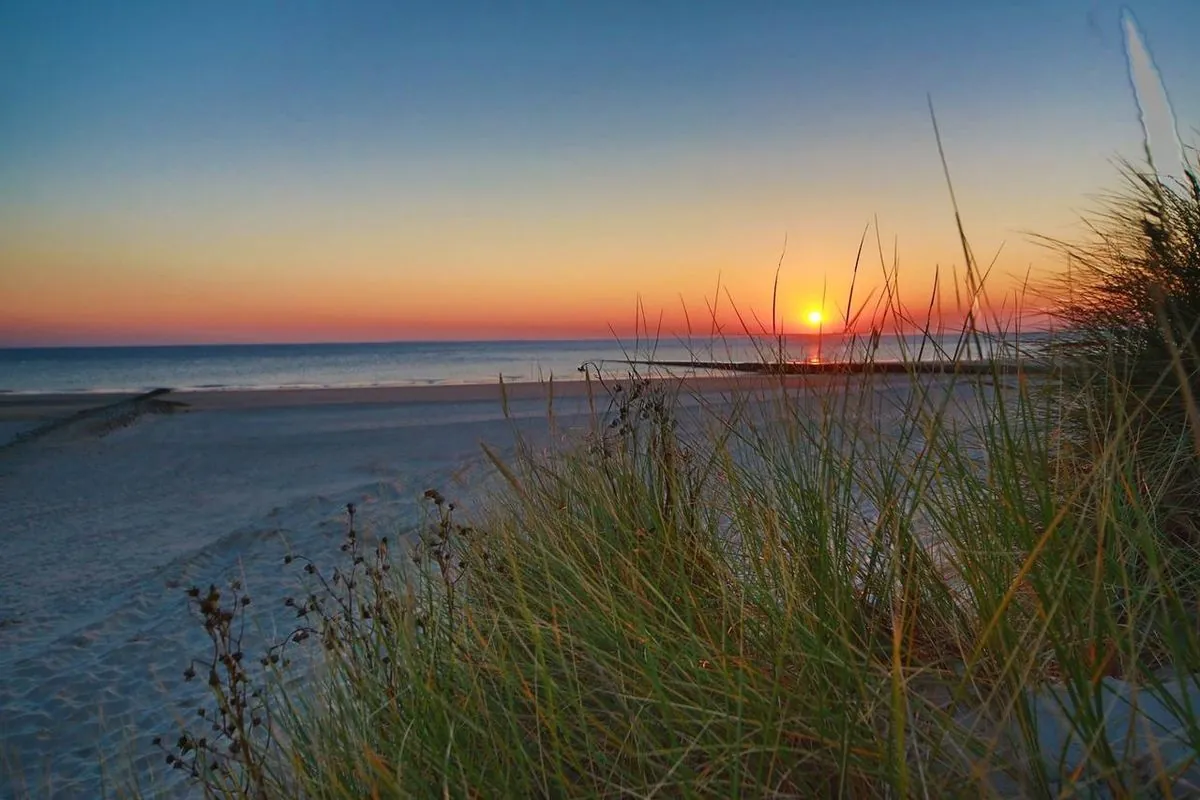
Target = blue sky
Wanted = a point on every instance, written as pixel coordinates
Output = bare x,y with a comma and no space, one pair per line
168,152
236,78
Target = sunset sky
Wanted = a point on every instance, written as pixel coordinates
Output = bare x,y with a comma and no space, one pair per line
315,171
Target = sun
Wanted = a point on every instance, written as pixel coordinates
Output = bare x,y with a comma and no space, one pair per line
814,317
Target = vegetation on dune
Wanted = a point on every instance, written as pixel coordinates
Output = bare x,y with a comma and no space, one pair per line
798,592
1132,307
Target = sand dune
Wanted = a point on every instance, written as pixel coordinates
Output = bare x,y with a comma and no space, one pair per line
106,518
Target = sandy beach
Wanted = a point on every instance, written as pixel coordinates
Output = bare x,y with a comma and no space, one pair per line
111,509
107,519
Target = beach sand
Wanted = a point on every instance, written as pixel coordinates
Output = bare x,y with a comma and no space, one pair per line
107,518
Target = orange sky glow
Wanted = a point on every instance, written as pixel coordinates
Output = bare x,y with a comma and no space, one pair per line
197,180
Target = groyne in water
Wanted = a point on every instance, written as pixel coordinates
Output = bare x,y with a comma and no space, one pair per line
100,420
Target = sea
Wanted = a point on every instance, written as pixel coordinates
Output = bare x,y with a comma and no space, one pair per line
230,367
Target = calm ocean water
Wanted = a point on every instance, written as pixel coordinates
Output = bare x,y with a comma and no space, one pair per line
198,367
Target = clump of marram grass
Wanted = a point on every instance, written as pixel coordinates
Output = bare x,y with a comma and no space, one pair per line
1131,304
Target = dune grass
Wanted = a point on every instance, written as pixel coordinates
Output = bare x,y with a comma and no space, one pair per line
1132,304
853,585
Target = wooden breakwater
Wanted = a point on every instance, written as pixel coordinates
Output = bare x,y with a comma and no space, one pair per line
100,420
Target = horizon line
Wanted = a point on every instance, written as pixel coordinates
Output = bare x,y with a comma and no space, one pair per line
506,340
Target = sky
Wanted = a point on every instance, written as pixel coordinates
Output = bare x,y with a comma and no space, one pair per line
253,171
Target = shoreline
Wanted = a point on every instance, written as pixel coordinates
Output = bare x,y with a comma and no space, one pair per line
42,407
39,407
